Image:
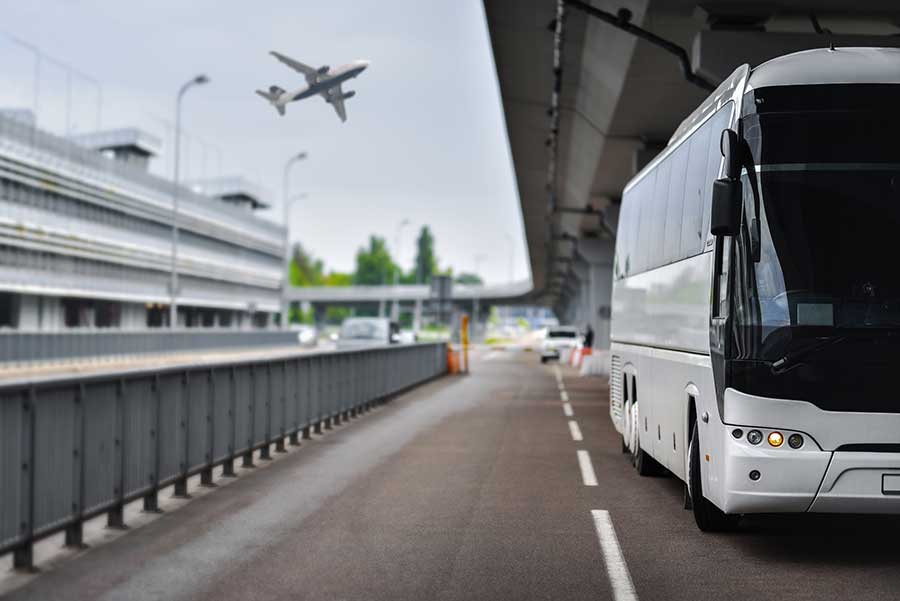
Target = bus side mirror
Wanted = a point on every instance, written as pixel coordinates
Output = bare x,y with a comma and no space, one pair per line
727,203
731,149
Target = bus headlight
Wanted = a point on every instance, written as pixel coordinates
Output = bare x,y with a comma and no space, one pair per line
754,437
776,439
795,441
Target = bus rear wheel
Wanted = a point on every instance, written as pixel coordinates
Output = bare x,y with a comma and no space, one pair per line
709,518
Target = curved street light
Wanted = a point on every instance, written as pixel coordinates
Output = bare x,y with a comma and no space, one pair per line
286,203
173,280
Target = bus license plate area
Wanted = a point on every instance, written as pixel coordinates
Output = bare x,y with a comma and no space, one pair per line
890,484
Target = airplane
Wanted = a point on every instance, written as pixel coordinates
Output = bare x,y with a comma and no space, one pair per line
323,81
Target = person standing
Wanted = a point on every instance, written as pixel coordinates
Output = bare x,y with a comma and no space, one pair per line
589,337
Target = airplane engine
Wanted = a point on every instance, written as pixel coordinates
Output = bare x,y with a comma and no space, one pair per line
323,70
348,94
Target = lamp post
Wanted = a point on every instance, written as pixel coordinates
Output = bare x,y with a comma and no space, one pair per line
479,259
286,210
395,308
173,279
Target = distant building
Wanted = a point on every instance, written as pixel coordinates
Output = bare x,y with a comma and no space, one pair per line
85,238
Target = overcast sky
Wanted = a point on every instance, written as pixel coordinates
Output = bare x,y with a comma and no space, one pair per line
425,138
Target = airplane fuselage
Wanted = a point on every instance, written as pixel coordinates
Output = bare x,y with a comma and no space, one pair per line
325,82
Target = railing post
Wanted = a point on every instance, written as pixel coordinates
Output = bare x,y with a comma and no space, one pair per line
151,499
282,401
115,518
206,474
295,436
181,484
228,465
265,451
247,461
23,555
75,531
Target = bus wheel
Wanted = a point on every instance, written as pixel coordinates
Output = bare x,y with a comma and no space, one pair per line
626,427
709,518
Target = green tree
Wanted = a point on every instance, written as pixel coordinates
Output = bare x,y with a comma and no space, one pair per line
374,264
305,269
336,278
471,279
426,262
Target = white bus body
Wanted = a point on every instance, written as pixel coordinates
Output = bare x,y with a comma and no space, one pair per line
695,343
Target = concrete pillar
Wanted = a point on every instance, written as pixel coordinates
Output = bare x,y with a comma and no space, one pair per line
595,266
417,316
134,316
28,318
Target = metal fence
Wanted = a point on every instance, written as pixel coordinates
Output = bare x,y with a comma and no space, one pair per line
72,448
18,347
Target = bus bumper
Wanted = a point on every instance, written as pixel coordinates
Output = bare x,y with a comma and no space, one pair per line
809,480
860,483
823,475
787,482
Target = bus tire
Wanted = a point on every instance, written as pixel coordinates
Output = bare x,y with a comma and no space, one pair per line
709,518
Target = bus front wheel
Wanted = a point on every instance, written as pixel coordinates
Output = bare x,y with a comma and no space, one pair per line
709,518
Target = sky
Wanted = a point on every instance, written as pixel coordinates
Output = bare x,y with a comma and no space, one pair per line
425,140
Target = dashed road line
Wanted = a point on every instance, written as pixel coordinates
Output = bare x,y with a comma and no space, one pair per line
567,410
564,396
587,468
575,431
616,568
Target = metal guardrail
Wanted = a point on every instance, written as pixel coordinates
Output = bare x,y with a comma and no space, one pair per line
17,347
72,448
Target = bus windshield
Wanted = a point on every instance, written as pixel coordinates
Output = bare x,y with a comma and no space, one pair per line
826,286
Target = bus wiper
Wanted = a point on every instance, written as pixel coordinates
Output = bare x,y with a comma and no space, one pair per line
791,360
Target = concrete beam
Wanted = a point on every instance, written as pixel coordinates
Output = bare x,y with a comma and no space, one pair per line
717,53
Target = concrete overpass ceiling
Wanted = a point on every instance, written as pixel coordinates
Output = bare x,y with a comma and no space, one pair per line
622,97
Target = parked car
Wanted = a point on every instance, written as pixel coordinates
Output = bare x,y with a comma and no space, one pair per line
360,332
558,338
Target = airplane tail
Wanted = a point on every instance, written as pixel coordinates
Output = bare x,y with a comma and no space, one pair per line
272,96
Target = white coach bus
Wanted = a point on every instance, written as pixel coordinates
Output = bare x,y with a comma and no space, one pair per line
756,294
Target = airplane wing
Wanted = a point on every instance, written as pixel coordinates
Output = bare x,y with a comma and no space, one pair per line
335,98
307,71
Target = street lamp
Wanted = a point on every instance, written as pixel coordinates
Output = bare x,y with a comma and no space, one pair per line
479,259
395,309
173,281
286,203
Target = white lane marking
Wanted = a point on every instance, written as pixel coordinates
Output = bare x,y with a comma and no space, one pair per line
616,568
575,431
587,468
564,396
557,373
567,410
491,356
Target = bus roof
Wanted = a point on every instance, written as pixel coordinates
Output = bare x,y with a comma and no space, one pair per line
807,67
827,66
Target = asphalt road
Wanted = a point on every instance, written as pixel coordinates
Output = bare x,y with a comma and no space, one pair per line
473,488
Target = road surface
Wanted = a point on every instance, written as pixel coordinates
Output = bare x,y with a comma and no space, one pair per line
487,486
